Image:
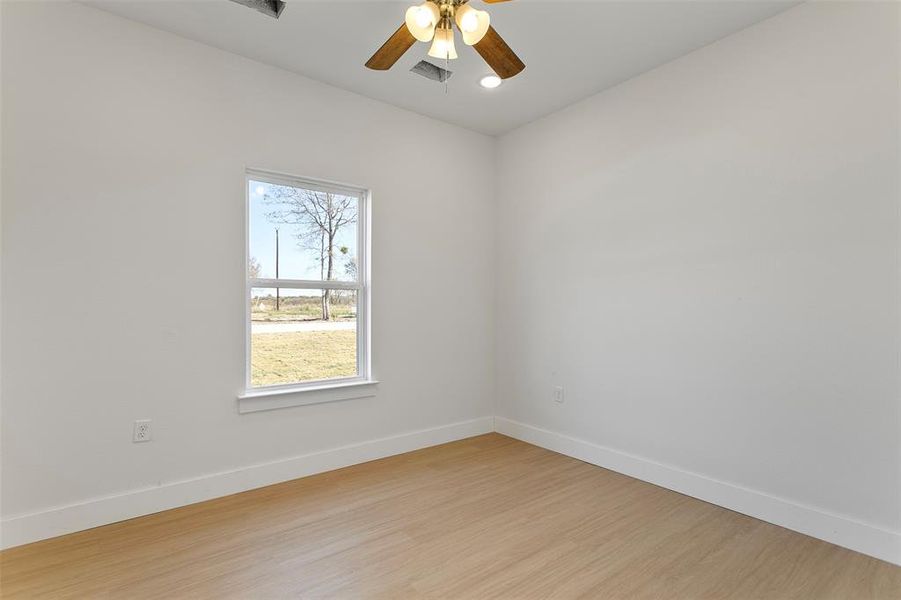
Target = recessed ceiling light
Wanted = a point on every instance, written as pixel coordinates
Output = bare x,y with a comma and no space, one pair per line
490,81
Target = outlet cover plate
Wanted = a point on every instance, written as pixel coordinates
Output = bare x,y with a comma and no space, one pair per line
142,431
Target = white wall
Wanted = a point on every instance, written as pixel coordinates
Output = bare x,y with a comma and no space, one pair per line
707,258
123,217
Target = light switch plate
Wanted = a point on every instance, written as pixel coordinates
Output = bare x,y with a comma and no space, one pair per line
559,394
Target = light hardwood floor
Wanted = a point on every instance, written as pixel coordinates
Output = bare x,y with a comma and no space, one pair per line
487,517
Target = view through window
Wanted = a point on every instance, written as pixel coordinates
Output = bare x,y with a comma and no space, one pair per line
305,282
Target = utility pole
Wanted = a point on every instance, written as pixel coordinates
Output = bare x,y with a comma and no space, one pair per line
277,298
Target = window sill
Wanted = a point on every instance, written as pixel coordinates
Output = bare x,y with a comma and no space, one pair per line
271,399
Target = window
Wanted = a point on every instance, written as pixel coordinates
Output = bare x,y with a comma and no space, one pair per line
307,285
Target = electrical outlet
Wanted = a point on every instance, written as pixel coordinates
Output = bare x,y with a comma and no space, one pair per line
142,432
559,394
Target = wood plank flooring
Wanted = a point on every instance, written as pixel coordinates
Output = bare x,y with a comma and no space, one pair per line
487,517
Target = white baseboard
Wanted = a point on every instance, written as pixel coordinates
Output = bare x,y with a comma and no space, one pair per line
861,537
842,531
22,529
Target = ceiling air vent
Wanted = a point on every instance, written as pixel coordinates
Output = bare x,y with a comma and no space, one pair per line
430,71
273,8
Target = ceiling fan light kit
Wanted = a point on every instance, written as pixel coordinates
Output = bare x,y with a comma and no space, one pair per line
443,43
433,21
473,23
421,20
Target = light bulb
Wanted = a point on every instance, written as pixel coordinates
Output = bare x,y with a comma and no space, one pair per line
421,20
423,17
443,46
469,22
473,23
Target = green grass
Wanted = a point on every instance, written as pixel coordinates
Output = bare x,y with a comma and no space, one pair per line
279,358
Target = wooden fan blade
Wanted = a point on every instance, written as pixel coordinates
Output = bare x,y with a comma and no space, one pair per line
498,55
385,57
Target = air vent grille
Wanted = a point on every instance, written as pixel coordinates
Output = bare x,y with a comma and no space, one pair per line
273,8
430,71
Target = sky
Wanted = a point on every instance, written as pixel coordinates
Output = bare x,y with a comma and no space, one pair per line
294,262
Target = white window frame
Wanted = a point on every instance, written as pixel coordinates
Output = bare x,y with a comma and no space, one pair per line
321,390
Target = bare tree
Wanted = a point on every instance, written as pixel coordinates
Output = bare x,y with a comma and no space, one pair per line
319,217
254,268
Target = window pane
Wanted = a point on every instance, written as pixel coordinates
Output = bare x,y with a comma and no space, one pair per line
302,335
297,233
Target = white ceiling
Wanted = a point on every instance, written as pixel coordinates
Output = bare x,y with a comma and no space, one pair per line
572,49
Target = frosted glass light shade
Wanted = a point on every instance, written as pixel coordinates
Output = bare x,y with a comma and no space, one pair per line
421,20
443,45
473,23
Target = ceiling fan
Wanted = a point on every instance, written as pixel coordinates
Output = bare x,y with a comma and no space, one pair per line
433,21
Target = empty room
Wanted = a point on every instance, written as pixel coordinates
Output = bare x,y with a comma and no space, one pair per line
451,299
